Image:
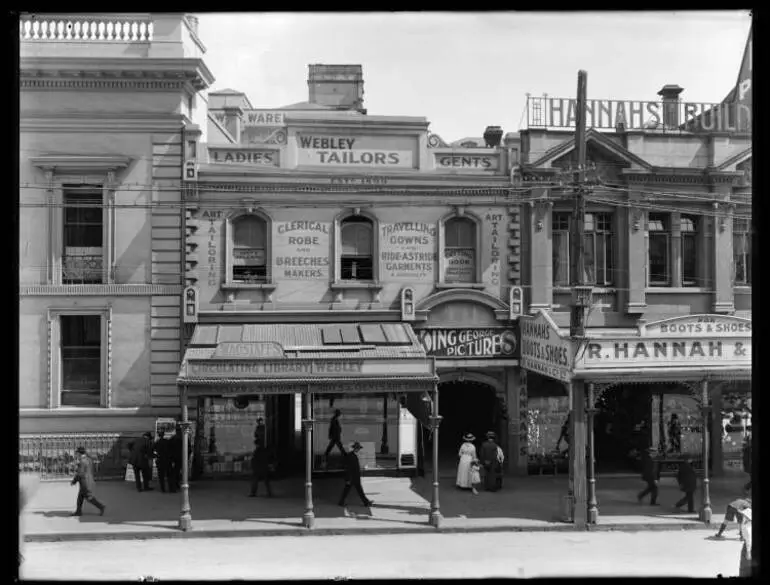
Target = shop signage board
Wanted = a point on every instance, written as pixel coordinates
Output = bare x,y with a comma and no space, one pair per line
408,250
301,249
302,368
543,349
335,151
465,162
496,342
243,156
697,341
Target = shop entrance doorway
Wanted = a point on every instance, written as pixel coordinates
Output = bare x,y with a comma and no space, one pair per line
622,428
466,406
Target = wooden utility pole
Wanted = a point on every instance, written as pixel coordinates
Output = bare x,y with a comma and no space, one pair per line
581,300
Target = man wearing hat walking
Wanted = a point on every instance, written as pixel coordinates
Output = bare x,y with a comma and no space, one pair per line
651,475
353,475
488,456
85,477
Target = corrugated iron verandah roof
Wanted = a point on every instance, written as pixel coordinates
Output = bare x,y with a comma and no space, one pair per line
301,357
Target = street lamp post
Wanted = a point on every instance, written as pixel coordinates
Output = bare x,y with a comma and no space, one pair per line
593,508
435,421
185,519
705,514
308,518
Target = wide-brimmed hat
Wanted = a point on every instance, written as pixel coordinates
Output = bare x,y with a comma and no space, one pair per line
355,446
469,437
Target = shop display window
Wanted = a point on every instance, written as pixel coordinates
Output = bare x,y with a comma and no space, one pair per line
545,417
372,420
227,435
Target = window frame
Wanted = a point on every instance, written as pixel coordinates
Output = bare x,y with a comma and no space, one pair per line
746,235
441,254
229,281
74,190
336,274
693,238
56,362
666,233
610,269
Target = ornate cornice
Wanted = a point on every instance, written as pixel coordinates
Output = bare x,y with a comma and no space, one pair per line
469,191
83,290
76,83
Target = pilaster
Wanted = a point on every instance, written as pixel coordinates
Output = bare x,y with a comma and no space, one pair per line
636,260
540,246
519,406
722,253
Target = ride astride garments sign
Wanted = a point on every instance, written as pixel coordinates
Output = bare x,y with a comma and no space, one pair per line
469,343
697,341
543,349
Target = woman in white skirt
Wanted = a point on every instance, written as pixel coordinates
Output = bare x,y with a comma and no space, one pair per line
465,468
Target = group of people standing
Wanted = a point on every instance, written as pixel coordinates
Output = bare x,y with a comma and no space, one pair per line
167,453
485,467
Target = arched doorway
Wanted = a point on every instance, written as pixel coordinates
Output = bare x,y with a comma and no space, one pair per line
466,406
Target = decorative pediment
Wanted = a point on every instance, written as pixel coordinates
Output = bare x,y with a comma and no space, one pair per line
75,164
731,164
435,141
599,141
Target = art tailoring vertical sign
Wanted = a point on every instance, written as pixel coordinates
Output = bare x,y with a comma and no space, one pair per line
302,249
408,250
494,221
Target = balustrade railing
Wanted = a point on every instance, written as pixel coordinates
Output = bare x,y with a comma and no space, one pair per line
86,28
82,269
53,456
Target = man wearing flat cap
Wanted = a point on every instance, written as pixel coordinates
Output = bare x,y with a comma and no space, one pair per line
85,477
353,475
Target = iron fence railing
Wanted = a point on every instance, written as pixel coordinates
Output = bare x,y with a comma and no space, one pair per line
53,455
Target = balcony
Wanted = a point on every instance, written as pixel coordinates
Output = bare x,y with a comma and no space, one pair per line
128,35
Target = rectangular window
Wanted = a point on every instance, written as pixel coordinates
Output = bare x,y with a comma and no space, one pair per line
82,260
81,362
459,250
356,257
598,257
659,250
249,250
689,234
741,252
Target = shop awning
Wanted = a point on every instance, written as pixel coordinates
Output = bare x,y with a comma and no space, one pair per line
320,358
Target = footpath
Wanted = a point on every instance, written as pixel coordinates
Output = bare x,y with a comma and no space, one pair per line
221,508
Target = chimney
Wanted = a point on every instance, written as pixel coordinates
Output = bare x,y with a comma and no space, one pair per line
670,97
337,86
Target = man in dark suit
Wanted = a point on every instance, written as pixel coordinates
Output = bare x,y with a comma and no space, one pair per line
335,435
145,457
175,459
687,483
651,475
85,477
262,461
353,475
163,457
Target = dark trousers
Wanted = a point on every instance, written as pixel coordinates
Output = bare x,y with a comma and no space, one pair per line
165,475
88,497
330,446
652,489
142,476
255,479
689,498
174,474
356,483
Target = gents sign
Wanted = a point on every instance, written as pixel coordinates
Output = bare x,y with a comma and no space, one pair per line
467,162
543,349
486,343
346,151
273,368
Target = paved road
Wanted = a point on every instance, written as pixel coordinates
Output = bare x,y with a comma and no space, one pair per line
502,554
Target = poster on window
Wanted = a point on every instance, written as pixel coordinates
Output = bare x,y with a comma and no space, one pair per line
301,249
459,265
678,431
545,417
248,257
408,250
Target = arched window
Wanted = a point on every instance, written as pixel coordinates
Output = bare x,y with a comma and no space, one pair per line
249,260
460,254
356,248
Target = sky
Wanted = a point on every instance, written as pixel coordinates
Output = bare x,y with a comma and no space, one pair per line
464,71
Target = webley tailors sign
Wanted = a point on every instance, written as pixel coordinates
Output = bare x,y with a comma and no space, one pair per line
696,341
469,343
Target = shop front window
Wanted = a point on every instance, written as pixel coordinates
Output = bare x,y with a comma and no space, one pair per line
372,420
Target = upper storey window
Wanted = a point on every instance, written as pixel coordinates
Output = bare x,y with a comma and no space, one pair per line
249,252
83,254
357,246
460,254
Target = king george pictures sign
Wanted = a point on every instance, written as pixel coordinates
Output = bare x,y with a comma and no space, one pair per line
470,343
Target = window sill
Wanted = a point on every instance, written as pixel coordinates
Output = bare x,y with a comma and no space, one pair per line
247,286
676,290
471,285
602,290
353,284
742,289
